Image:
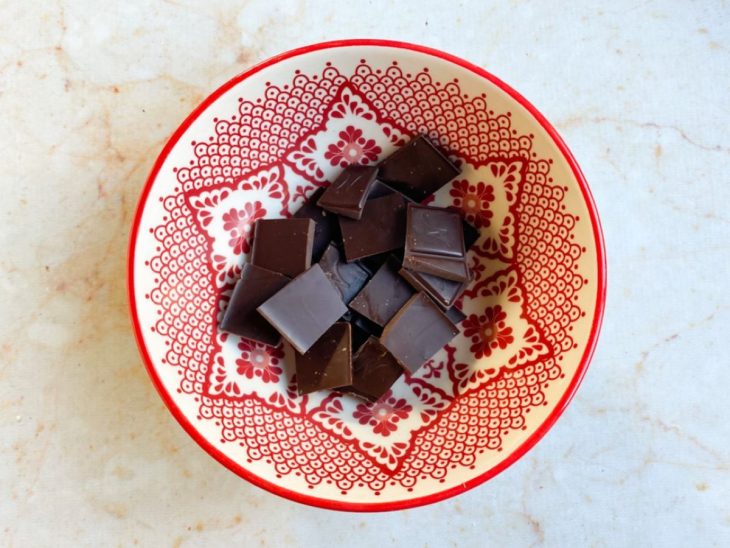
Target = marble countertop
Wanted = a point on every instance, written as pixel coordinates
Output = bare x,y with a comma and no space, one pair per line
90,91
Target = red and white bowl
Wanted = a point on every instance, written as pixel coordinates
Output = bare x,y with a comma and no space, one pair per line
257,147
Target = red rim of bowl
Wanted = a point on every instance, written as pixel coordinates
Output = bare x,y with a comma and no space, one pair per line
433,497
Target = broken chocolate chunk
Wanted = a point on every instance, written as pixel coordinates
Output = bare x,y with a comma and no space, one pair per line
444,292
381,228
304,309
417,332
435,243
374,370
326,227
348,278
283,245
328,362
383,295
417,169
241,318
347,195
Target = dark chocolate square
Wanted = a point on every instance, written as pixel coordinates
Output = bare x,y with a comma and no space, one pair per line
382,228
348,278
417,169
241,318
305,309
444,292
326,227
283,245
417,332
347,194
328,362
374,370
435,243
383,295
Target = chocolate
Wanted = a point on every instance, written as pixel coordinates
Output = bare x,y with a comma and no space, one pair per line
380,189
444,292
305,309
347,194
241,318
471,234
374,370
380,229
326,227
348,278
283,245
435,243
417,169
455,315
383,295
328,362
362,329
417,332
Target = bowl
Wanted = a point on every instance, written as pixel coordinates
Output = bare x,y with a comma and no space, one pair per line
262,143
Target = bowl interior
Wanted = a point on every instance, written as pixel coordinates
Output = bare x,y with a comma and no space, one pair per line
257,148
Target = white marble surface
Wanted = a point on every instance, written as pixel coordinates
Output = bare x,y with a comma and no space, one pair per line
89,92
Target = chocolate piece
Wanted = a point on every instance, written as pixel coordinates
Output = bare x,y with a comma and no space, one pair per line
326,227
328,363
417,169
381,228
362,329
283,245
435,243
380,189
455,315
444,292
347,195
471,234
374,370
255,286
383,295
348,278
417,332
304,309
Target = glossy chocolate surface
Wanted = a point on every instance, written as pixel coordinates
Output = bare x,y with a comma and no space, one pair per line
347,194
417,332
348,278
304,309
374,370
383,295
328,362
255,287
381,228
283,245
417,169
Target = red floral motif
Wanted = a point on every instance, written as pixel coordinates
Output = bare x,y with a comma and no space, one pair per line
239,223
474,200
352,148
259,360
384,415
488,331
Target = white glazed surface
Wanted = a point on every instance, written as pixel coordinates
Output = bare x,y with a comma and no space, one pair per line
89,454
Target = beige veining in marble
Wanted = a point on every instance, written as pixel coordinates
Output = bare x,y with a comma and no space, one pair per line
89,93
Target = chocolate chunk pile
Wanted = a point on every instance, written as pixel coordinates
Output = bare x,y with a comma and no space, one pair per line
362,280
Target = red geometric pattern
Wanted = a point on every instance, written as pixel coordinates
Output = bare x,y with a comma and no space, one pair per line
279,429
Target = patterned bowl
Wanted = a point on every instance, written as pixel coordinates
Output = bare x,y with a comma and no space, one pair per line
257,147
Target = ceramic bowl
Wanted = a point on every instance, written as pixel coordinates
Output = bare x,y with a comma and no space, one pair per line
257,147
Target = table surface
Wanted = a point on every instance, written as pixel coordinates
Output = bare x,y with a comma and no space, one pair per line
90,91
